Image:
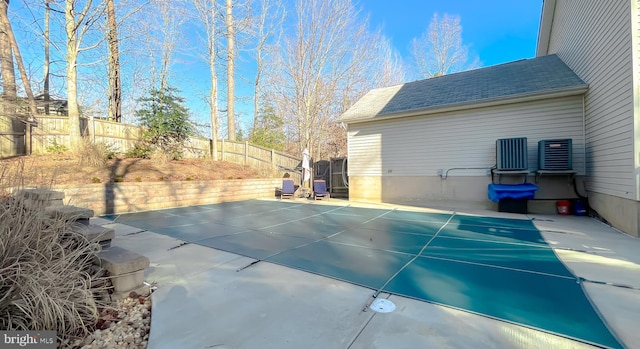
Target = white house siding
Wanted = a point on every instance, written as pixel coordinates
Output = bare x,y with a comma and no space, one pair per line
594,38
420,146
635,21
364,148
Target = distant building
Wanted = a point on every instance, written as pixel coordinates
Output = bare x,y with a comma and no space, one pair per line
56,106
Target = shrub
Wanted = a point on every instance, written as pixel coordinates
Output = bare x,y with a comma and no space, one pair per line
94,154
109,150
141,150
56,148
48,278
269,132
166,121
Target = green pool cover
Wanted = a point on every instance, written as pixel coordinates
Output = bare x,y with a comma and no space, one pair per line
501,268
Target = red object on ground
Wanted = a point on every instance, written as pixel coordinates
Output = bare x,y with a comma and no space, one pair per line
563,207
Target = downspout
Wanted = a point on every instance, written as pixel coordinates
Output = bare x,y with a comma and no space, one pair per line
584,155
584,133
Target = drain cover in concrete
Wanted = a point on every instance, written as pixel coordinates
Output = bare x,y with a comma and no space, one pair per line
382,306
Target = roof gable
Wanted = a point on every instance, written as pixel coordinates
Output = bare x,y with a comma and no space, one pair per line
536,77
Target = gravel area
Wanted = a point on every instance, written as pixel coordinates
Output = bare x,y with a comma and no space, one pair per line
126,326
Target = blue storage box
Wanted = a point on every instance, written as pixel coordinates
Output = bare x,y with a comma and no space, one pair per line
512,191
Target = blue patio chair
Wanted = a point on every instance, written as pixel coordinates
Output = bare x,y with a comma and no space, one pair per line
320,189
288,188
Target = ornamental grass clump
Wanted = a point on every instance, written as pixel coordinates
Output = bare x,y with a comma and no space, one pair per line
47,277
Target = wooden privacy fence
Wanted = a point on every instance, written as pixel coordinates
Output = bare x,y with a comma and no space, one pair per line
12,137
259,157
54,130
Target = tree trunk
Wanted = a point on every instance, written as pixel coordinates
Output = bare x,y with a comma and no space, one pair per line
115,89
9,89
18,58
213,100
256,94
231,122
213,94
72,79
45,96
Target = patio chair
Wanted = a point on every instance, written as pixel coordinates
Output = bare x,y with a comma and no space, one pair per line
288,188
320,189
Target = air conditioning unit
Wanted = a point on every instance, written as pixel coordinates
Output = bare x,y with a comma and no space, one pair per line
511,154
555,154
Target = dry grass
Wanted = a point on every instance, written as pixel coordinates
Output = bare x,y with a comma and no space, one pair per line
47,277
92,154
61,169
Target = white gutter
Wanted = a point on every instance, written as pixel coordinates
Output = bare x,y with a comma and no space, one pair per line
546,22
525,97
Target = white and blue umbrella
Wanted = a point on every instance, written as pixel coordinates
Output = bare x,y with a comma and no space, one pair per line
306,166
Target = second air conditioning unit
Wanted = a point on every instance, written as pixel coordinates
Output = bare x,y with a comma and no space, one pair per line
555,155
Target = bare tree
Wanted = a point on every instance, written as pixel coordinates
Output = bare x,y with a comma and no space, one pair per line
439,50
158,36
72,27
207,13
173,17
325,60
268,22
134,22
115,88
381,66
9,88
231,52
47,57
77,25
388,67
23,72
14,52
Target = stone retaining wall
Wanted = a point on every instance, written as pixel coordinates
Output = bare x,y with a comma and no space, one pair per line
141,196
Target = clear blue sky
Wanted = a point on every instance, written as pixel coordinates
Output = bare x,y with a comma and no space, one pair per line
497,31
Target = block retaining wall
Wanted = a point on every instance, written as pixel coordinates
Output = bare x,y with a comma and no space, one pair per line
140,196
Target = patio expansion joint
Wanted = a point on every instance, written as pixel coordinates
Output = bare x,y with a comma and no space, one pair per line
613,284
366,324
178,246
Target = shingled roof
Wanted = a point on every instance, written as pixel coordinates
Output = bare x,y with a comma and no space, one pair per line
529,79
